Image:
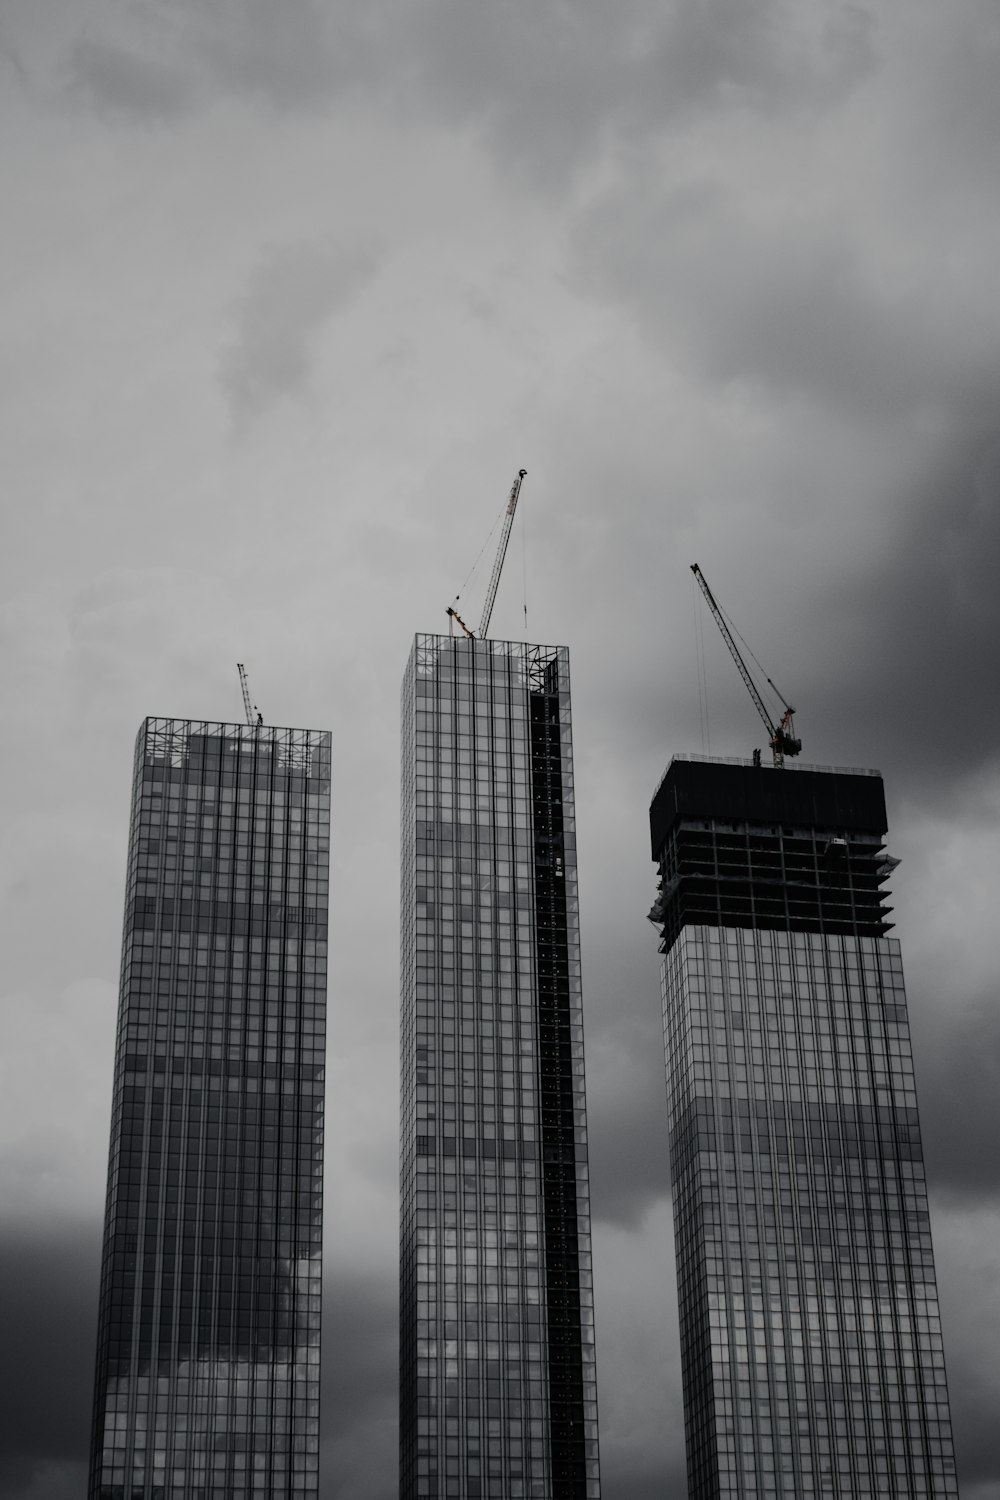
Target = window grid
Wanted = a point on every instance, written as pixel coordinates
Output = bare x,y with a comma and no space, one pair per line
811,1342
497,1374
208,1342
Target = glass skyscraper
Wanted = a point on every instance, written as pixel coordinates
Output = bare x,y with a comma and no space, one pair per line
497,1373
810,1334
208,1339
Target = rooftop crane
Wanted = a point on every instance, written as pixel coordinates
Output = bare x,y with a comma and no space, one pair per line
781,737
491,592
456,616
508,521
254,717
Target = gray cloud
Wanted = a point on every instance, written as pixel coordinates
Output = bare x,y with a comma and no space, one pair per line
774,304
950,113
293,58
159,61
119,81
739,262
10,62
548,86
545,86
292,295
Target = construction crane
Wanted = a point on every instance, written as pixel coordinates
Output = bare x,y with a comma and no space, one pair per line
781,736
254,717
508,521
491,592
456,616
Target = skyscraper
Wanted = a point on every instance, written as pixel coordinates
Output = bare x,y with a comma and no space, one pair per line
810,1333
497,1373
208,1339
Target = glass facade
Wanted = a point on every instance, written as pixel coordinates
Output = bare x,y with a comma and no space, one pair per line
497,1366
810,1333
208,1339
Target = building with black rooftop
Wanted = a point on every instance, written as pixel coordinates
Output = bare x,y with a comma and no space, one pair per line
810,1333
207,1379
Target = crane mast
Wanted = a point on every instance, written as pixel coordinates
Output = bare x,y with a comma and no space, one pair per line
254,717
781,737
508,521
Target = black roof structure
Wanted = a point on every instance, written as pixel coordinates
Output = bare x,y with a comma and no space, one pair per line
766,795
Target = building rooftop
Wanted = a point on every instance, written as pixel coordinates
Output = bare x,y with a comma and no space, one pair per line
738,791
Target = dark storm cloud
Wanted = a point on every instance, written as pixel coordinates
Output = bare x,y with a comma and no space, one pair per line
959,1080
626,1110
890,649
845,314
360,1403
49,1292
918,624
640,1480
896,634
971,1360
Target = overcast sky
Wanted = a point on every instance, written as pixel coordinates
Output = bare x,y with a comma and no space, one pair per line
290,290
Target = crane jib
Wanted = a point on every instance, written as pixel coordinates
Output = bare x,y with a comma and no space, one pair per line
780,737
491,592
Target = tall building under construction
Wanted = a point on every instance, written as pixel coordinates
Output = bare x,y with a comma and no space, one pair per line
810,1333
209,1326
497,1372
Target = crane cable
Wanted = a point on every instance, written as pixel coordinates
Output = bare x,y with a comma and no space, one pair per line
524,571
699,657
759,665
479,555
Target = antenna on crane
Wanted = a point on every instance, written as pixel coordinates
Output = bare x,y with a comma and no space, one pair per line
781,737
254,717
491,592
